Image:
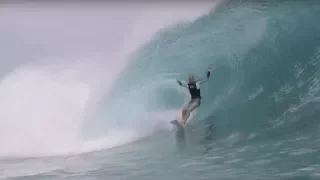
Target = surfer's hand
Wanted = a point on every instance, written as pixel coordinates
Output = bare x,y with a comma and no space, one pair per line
179,82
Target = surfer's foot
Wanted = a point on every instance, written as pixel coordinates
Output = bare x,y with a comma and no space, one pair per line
183,123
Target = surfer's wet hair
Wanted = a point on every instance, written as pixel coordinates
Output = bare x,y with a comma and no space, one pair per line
191,78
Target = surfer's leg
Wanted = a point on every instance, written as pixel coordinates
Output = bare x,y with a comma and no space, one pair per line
193,104
186,113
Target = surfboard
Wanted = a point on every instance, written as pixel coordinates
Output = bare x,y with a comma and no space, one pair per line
179,131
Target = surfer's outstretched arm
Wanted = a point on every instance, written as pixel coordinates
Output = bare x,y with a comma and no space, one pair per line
206,79
182,84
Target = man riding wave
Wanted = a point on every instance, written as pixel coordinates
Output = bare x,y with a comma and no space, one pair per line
194,90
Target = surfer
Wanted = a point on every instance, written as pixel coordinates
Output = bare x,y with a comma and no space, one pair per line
194,90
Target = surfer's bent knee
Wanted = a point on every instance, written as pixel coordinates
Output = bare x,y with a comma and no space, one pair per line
194,104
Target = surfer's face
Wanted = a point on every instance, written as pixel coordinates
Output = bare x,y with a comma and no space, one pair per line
191,79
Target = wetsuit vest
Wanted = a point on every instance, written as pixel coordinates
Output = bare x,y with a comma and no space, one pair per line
194,91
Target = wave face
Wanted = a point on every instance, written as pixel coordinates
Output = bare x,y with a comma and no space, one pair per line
262,96
265,78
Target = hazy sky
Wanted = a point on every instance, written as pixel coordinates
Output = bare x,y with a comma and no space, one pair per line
67,32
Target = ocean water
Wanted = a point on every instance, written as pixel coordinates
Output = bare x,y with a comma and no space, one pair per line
107,116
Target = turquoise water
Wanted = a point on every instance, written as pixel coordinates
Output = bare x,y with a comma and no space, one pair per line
259,114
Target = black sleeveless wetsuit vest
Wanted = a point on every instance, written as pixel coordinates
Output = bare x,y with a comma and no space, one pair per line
194,91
